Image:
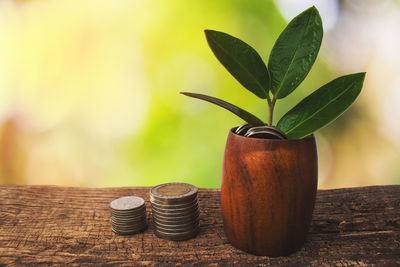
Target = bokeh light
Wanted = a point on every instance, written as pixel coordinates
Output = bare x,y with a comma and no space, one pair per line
89,90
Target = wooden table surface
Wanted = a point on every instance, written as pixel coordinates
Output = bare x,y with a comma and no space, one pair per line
65,225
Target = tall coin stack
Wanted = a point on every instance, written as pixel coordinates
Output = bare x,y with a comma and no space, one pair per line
128,215
175,211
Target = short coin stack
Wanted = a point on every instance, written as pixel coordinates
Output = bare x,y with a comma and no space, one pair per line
128,215
175,211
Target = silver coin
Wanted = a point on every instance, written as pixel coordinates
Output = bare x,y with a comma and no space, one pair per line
127,203
271,130
176,230
175,215
134,215
177,237
175,206
126,228
265,132
122,220
257,130
177,201
241,130
129,228
125,233
176,210
173,231
129,232
275,129
176,227
129,217
176,223
172,213
263,135
129,222
175,218
173,193
127,211
183,222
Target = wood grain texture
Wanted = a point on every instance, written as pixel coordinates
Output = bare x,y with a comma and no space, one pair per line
268,192
63,225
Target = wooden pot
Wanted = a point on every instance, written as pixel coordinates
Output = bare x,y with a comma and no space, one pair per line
268,193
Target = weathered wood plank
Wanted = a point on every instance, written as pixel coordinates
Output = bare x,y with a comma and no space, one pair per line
63,225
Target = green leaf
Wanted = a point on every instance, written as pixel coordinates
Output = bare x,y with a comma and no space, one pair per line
241,60
248,117
294,52
321,107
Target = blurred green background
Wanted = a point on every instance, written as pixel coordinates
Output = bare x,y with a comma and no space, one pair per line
89,90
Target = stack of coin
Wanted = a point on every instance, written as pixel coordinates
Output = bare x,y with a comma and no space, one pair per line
268,132
128,215
262,131
175,211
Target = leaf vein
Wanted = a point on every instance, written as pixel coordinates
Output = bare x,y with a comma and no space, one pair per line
292,60
250,74
319,110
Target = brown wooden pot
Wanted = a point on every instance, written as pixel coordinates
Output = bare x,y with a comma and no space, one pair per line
268,193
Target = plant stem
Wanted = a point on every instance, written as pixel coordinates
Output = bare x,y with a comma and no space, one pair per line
271,105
